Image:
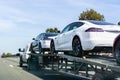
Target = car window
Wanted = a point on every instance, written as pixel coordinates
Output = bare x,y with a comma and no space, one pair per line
37,37
66,29
76,25
42,36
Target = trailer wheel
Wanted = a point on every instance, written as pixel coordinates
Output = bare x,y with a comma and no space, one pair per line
21,62
117,52
98,76
76,46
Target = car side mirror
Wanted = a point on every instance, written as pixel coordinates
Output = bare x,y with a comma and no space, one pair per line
33,38
21,50
58,31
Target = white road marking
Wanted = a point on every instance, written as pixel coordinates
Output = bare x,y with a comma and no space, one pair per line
11,66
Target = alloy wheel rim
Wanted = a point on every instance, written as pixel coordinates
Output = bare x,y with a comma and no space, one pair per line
118,54
76,46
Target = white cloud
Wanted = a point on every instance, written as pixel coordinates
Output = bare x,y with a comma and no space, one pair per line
15,14
6,25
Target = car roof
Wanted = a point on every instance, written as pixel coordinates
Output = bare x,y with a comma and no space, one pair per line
96,22
49,33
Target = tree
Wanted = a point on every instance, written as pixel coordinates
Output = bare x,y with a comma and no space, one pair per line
9,54
54,30
91,15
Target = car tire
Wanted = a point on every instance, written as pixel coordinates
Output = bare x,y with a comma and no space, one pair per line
29,63
77,48
40,48
117,52
52,47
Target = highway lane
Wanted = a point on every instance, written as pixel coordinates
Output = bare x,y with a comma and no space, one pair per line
10,70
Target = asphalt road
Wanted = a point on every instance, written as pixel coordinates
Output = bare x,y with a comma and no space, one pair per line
10,70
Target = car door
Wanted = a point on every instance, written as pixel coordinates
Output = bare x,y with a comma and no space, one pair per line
71,33
62,38
26,52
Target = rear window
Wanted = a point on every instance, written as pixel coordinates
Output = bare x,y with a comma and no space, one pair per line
100,22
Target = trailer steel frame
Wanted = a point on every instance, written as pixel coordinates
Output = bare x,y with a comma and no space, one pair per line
92,67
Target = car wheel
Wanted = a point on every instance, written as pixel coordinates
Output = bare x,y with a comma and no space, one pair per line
40,48
76,46
117,52
52,47
29,62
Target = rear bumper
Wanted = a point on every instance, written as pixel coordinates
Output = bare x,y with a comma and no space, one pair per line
92,44
98,41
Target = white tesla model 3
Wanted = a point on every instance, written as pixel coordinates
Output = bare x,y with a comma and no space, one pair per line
85,36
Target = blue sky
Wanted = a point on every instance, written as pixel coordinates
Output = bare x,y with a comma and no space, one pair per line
21,20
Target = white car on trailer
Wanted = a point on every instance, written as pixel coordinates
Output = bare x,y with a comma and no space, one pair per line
85,36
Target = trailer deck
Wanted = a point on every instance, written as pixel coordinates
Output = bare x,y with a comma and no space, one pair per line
92,66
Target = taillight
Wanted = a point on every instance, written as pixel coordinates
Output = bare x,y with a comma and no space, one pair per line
94,30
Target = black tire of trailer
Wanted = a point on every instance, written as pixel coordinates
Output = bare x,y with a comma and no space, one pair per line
20,62
76,46
117,52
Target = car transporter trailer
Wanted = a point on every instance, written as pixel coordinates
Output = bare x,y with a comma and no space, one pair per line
93,67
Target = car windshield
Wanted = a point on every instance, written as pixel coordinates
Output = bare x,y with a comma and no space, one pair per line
100,22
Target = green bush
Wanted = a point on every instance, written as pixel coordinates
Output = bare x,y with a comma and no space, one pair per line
8,54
